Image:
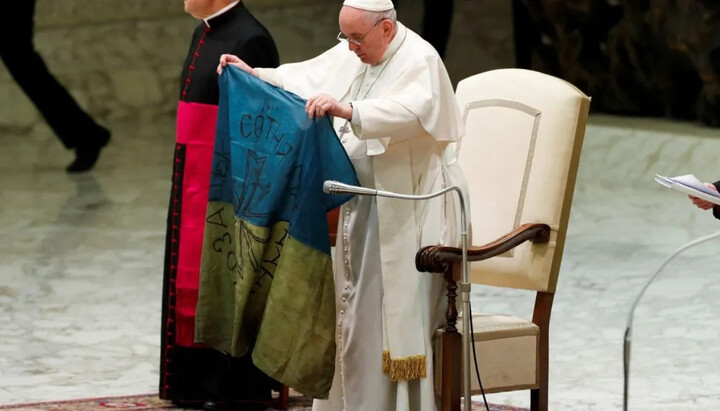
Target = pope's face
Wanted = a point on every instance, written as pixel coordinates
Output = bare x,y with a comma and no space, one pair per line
373,36
200,8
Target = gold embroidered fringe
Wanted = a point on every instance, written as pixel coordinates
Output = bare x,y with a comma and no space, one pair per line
404,368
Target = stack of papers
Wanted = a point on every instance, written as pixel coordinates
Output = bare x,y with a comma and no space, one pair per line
689,184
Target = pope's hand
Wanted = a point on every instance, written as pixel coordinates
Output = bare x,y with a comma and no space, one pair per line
322,104
704,204
233,60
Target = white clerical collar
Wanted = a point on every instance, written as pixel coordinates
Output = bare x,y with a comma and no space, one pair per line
394,43
219,12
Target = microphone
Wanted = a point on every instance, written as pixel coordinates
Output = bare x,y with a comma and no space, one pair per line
628,330
336,187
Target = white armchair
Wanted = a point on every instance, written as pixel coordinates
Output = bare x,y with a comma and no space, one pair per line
520,157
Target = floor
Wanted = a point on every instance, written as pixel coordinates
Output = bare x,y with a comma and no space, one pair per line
80,277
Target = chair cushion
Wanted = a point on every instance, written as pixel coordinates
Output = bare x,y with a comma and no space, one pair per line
507,353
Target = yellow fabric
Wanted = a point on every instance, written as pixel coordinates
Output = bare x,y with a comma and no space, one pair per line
282,310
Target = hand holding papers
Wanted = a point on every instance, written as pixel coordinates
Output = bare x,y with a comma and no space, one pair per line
689,184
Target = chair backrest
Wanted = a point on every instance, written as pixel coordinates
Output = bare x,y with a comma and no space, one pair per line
524,133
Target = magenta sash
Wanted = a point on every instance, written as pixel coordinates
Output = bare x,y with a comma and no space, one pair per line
196,131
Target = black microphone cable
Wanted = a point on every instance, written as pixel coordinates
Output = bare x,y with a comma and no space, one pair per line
477,369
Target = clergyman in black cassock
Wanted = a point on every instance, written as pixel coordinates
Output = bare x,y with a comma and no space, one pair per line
193,375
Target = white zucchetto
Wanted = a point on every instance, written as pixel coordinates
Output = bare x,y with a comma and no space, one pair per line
370,5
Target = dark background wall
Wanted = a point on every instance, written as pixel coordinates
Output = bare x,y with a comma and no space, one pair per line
122,59
638,57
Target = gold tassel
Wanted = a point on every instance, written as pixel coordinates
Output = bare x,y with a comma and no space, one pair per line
404,368
386,362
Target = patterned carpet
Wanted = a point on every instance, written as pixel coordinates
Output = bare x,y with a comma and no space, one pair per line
150,402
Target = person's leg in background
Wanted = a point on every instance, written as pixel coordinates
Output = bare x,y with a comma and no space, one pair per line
437,20
525,35
75,128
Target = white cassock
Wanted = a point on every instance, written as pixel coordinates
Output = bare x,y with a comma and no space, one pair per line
387,312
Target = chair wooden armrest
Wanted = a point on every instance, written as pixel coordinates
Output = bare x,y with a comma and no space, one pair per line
437,258
442,259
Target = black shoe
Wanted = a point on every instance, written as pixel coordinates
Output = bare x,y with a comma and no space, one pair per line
233,406
210,406
86,155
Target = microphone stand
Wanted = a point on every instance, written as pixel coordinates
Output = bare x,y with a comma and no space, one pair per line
628,330
336,187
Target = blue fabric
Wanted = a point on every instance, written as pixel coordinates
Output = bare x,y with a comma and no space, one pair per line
271,160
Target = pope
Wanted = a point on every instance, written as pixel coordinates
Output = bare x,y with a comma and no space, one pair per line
394,110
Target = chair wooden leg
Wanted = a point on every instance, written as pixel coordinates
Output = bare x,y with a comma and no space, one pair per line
539,399
451,389
541,317
283,398
539,396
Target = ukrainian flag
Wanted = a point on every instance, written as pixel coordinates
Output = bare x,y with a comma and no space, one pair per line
266,283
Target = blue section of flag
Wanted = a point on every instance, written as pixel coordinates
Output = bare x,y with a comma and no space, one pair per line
271,160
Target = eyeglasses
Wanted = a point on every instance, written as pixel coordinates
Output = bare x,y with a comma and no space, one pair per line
358,41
